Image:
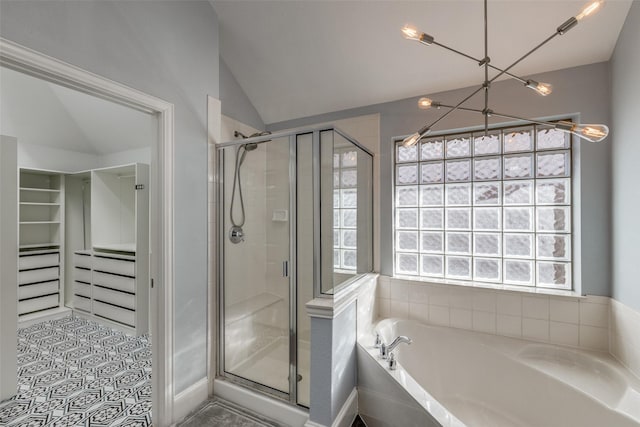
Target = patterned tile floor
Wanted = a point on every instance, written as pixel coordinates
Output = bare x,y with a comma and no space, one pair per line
73,372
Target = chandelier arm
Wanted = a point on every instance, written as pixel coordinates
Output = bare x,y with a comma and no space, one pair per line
454,108
475,110
493,67
523,57
509,116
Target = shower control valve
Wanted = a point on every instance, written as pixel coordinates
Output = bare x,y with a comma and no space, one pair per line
236,235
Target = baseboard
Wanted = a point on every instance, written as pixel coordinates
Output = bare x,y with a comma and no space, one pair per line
348,411
346,415
188,400
53,314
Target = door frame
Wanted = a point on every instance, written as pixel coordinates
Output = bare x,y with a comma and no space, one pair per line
29,61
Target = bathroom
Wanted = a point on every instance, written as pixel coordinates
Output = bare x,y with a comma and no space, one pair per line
297,69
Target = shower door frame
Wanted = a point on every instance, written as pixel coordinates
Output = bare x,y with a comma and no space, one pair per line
218,260
292,396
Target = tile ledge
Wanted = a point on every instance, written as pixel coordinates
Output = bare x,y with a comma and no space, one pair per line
491,287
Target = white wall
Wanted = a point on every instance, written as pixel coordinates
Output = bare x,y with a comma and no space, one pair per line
8,266
625,111
55,159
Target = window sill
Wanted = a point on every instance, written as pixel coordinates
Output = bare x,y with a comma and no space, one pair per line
491,286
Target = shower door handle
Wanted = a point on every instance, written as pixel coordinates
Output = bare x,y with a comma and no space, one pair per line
285,268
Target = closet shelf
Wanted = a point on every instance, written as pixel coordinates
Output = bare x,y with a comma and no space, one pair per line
38,222
118,247
38,204
39,245
47,190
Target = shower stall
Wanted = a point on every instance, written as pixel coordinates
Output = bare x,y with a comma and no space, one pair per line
294,218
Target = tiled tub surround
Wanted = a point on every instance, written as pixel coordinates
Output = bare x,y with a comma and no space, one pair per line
625,336
566,320
456,377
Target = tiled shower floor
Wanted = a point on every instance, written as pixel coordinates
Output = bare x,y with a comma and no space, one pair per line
74,372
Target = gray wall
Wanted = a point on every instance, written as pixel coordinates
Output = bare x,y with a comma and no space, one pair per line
625,112
581,90
168,49
235,103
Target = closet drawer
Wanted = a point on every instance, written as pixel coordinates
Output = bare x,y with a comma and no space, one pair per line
80,303
120,283
121,315
37,304
82,275
83,261
121,299
41,275
27,262
82,289
114,265
39,289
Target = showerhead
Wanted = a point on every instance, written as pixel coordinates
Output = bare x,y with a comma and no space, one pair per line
250,147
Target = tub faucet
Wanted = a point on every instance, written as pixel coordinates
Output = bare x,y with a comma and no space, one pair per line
386,349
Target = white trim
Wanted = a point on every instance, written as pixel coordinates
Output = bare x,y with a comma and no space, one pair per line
277,410
330,308
346,415
189,399
15,56
348,411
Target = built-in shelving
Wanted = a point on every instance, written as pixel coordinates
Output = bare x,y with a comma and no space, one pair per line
41,235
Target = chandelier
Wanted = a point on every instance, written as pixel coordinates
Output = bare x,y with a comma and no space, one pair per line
589,132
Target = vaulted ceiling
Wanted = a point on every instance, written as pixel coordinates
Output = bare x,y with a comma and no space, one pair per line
300,58
38,112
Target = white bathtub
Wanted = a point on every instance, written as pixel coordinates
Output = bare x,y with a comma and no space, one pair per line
452,377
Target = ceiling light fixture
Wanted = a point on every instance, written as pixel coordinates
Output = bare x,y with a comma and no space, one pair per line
592,133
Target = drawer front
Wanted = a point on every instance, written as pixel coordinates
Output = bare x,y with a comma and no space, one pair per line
41,275
80,303
118,298
115,266
120,315
83,261
37,304
39,289
82,289
127,284
82,275
27,262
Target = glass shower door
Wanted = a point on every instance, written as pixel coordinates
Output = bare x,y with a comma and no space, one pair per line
256,263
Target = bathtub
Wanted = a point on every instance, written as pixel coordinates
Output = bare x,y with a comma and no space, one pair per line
452,377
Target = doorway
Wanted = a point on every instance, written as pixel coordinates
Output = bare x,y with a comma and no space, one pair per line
158,285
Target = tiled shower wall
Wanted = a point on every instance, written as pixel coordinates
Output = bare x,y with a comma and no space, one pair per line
573,321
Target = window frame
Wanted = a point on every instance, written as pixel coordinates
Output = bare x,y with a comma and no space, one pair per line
573,207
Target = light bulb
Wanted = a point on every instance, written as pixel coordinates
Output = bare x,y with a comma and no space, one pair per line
589,9
592,133
424,103
411,140
543,89
410,33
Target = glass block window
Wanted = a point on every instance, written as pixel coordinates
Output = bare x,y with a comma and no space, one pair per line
490,208
345,212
